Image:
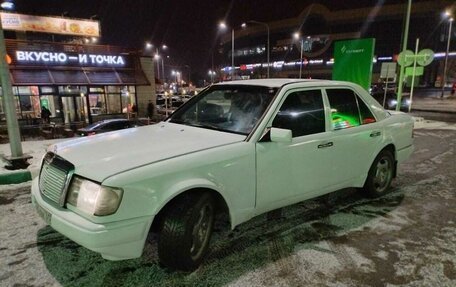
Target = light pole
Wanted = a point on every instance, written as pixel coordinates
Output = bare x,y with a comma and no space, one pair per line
404,48
188,67
212,74
158,57
223,26
450,23
8,103
298,37
267,46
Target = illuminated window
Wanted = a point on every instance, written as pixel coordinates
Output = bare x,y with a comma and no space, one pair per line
302,112
344,108
348,109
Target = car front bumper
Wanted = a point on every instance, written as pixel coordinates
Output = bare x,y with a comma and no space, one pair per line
114,241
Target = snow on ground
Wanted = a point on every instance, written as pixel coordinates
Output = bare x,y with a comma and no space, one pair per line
34,148
421,123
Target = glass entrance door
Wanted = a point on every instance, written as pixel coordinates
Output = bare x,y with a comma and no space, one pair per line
74,109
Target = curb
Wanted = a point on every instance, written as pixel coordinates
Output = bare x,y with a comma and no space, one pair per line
15,177
433,111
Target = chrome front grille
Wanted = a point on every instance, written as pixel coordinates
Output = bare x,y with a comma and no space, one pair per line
55,176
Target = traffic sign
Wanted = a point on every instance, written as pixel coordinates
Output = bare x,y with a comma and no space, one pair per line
410,72
406,59
388,70
425,57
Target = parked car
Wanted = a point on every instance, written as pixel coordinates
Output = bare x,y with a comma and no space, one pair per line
389,101
107,126
242,148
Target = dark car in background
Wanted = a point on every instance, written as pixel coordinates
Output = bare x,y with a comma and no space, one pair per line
107,126
389,100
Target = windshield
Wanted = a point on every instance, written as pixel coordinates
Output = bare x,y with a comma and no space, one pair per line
229,108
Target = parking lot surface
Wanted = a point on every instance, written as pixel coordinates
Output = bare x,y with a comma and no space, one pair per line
405,238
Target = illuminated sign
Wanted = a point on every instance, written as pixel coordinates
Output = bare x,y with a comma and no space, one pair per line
65,58
55,25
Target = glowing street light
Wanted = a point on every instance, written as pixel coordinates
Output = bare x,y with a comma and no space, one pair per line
212,74
297,36
223,26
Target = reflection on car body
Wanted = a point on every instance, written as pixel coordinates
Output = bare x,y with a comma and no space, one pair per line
107,126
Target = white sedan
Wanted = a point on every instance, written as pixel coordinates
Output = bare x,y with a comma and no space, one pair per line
242,148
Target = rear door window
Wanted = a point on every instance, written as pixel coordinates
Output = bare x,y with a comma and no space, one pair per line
347,109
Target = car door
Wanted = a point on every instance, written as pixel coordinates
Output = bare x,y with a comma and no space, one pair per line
355,136
291,171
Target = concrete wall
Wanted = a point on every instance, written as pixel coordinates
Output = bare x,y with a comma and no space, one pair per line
146,93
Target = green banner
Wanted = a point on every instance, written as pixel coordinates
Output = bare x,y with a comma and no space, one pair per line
353,61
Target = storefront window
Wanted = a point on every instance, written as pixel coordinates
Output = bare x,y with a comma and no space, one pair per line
47,90
128,99
97,104
113,103
113,89
97,90
52,104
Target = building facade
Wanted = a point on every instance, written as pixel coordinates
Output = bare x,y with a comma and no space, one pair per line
79,84
320,26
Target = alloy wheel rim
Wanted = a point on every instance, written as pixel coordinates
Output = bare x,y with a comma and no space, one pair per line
383,174
201,232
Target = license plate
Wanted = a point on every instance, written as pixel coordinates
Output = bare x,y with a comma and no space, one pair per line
44,214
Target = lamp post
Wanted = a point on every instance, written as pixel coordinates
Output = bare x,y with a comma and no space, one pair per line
450,23
158,57
267,45
188,67
212,74
298,37
404,48
223,26
8,103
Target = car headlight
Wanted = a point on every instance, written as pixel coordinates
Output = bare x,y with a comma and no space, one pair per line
93,198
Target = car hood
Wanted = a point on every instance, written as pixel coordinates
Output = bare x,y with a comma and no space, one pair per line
101,156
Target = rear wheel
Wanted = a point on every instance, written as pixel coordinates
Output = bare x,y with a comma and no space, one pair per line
185,232
380,174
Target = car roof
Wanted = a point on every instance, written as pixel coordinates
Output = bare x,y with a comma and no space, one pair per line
113,120
279,82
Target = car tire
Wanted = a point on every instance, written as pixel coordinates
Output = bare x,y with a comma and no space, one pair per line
380,174
185,231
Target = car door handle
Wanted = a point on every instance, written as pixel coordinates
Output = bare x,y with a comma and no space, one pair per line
375,134
328,144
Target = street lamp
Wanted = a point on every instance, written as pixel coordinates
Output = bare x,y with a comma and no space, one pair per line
223,26
297,36
212,74
267,46
450,23
158,57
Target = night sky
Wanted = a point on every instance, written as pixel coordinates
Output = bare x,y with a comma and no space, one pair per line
188,28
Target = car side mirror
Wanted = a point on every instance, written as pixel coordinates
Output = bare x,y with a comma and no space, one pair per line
280,135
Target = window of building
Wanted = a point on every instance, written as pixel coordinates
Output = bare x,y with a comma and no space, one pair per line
114,104
97,104
302,112
52,104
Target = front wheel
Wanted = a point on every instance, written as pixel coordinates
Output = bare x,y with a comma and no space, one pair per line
380,174
186,230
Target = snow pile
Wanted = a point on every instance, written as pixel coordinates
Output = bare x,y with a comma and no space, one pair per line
421,123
